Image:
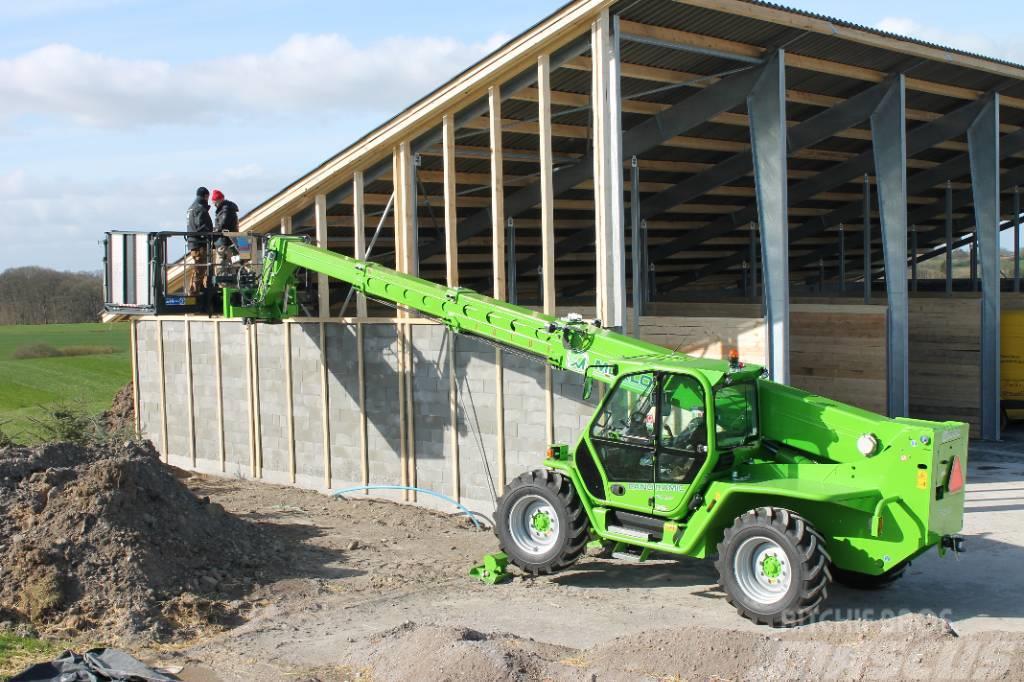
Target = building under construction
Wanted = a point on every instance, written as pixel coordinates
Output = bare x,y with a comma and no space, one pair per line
705,174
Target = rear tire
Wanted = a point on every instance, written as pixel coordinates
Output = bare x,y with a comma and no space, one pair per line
540,523
864,581
773,567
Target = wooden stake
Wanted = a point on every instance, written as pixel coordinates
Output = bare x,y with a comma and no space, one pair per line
451,238
325,415
364,450
250,389
359,224
222,450
322,281
190,390
547,217
256,400
163,390
498,256
135,375
289,392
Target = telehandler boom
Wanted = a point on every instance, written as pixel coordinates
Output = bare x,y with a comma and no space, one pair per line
686,456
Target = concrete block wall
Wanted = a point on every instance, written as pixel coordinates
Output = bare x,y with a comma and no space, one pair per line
272,399
204,397
234,363
431,345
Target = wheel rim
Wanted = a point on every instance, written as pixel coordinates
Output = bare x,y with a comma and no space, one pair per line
762,569
533,524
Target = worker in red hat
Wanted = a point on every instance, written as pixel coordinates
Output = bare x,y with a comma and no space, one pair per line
226,222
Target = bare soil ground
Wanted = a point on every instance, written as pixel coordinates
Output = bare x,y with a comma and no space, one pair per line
238,580
380,592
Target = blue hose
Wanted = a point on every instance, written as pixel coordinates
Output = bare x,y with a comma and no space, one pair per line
464,510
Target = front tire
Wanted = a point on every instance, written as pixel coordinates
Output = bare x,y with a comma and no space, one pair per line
773,567
540,522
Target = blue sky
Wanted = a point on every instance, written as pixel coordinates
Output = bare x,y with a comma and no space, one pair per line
114,110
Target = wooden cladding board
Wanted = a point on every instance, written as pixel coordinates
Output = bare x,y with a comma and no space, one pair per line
708,337
839,351
945,360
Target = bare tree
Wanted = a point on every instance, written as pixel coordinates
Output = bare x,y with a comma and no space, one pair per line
33,295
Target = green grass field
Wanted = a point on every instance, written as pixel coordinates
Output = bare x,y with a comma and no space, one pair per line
29,386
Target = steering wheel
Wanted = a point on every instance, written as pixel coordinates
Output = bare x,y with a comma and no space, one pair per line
687,434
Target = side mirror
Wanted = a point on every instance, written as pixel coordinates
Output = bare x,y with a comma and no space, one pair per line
588,387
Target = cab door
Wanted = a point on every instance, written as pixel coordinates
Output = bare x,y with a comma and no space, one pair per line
624,442
682,448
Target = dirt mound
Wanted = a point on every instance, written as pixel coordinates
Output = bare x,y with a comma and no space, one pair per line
112,540
906,647
121,415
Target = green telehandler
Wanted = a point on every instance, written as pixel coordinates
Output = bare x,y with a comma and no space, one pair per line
787,491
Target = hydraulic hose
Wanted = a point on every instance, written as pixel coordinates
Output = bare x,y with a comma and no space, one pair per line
464,510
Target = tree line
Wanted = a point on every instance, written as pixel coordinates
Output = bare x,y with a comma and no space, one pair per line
34,295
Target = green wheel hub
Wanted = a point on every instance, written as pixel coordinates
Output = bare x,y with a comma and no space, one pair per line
771,566
541,522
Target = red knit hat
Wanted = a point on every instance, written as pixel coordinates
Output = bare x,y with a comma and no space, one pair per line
217,195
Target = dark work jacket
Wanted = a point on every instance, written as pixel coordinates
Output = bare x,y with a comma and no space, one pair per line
227,217
197,219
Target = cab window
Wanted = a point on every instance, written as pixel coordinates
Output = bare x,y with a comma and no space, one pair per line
683,438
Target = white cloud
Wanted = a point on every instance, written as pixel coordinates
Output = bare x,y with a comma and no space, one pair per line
307,73
1006,47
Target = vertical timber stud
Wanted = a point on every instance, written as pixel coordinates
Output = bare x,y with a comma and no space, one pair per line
867,240
889,144
249,387
323,287
190,390
135,376
359,226
451,240
498,256
608,185
983,143
949,238
163,388
766,105
325,405
289,397
219,378
286,225
406,262
547,224
256,406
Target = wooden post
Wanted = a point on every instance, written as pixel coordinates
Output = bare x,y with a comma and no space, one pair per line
364,450
547,222
451,237
498,258
322,281
286,225
359,226
405,256
219,378
135,376
163,389
289,393
250,386
325,402
190,390
258,472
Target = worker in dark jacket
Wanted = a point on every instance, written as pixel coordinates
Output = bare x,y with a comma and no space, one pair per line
197,221
227,221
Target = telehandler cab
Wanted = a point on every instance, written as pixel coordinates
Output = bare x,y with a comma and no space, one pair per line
686,456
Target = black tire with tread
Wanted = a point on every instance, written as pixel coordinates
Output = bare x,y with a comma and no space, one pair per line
864,581
805,548
559,491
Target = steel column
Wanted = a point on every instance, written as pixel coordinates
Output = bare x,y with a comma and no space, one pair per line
753,261
913,258
949,238
766,106
889,145
511,275
867,240
634,233
842,259
983,144
973,274
1016,239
